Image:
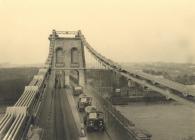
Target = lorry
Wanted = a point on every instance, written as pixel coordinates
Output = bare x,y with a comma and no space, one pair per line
83,101
94,121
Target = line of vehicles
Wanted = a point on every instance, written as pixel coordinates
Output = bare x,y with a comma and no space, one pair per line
93,118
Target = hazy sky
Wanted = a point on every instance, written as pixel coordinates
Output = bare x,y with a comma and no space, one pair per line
123,30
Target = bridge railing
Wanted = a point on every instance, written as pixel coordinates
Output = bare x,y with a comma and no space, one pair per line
17,118
14,120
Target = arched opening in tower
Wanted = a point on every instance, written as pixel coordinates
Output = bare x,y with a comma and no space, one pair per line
74,56
59,56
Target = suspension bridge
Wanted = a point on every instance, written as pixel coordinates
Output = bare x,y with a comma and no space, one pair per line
47,108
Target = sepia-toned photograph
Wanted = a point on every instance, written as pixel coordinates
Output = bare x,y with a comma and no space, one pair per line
97,70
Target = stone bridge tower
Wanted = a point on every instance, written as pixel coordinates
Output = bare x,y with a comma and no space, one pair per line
68,57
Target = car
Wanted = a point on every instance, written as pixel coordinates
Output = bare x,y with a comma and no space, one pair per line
84,101
77,90
94,121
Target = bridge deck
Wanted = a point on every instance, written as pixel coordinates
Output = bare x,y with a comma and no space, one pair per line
162,91
165,82
56,117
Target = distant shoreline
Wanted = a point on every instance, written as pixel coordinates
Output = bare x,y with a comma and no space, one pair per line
20,65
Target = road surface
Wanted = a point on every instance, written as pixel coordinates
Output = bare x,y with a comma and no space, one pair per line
56,117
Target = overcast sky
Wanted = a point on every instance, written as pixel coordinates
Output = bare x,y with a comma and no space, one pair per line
123,30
